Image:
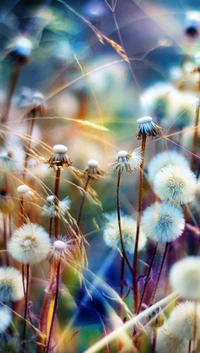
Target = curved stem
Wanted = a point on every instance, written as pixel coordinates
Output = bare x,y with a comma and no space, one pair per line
147,278
159,273
82,201
139,209
56,202
54,308
25,307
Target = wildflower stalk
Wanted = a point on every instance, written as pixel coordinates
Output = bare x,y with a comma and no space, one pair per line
57,187
159,273
25,305
195,136
55,306
147,278
139,210
154,340
82,201
28,148
5,239
124,256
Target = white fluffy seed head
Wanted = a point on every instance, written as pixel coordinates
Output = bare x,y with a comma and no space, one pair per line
127,161
29,244
144,120
128,224
22,189
11,288
185,277
60,149
6,318
163,159
183,319
168,342
50,210
176,184
163,222
23,46
93,163
122,153
61,250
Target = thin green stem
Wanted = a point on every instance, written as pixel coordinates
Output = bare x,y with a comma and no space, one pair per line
139,210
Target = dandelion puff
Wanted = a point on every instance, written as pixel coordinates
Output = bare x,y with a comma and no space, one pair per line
184,277
29,244
25,192
11,158
50,209
11,288
92,170
163,222
127,161
61,250
6,318
168,342
175,183
163,159
112,237
59,157
147,127
183,319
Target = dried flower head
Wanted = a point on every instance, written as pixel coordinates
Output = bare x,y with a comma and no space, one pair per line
93,171
127,161
163,159
163,222
183,319
185,277
6,318
21,49
59,157
61,250
25,192
29,244
147,127
176,183
51,210
6,202
168,342
128,224
11,288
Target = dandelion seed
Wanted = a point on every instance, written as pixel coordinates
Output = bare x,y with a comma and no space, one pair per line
112,237
127,161
163,222
25,192
21,49
168,342
92,170
6,318
147,127
185,277
163,159
29,244
61,250
175,183
60,157
183,319
51,210
11,288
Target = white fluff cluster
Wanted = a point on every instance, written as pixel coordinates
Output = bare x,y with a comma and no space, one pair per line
49,207
6,318
127,161
163,222
23,46
11,288
183,318
185,277
29,244
128,224
168,342
163,159
176,183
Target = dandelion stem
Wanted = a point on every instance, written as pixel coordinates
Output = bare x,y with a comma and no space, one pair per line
50,226
147,277
26,306
55,307
28,148
5,239
56,202
159,273
195,139
189,346
140,195
13,82
82,201
154,340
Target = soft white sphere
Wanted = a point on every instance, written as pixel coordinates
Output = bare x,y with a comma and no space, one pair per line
122,153
93,163
60,148
144,120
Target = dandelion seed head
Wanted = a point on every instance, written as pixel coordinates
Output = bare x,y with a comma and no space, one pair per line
147,127
60,157
184,277
21,49
177,183
163,159
29,244
127,161
93,163
51,210
163,222
11,158
183,318
168,342
61,250
11,288
60,149
6,318
128,224
25,192
122,154
93,170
